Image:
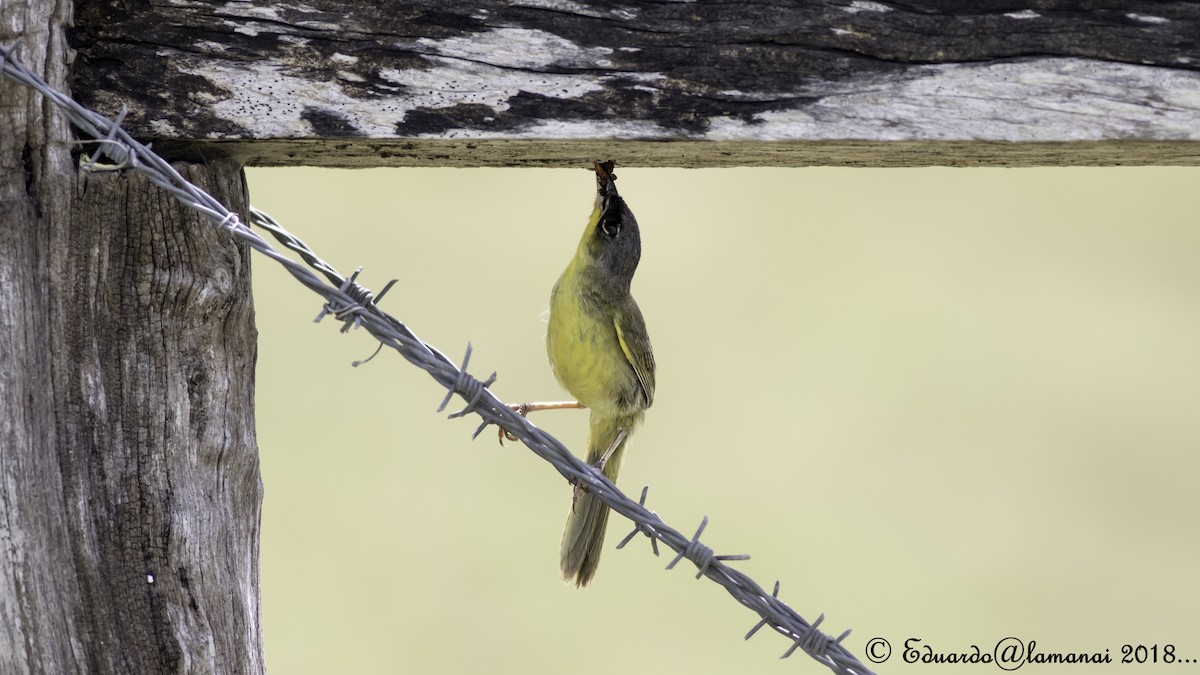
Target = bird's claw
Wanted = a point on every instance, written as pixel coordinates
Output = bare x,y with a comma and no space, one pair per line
578,487
576,492
521,409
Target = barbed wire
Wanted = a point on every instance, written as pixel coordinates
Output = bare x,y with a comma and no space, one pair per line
355,306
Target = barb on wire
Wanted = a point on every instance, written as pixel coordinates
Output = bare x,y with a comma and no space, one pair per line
643,528
354,306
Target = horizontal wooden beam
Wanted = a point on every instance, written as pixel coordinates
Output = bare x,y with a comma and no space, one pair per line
554,82
686,154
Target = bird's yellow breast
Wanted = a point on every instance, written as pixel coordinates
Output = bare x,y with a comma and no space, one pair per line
584,350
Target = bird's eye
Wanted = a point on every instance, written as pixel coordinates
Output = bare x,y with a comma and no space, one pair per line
610,226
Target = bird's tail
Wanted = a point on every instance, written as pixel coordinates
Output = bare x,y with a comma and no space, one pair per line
584,535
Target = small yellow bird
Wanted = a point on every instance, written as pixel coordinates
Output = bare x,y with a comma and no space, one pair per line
601,354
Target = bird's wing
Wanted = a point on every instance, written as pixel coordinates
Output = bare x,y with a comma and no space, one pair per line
637,350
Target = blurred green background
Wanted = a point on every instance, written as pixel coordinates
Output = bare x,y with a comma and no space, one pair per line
955,405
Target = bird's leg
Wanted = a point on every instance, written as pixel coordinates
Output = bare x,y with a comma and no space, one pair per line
524,409
612,447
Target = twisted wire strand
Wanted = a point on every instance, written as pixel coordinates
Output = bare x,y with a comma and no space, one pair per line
354,306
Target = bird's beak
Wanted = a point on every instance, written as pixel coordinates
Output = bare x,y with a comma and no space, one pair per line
605,178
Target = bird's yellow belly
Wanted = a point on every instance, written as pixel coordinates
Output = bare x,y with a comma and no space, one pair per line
585,353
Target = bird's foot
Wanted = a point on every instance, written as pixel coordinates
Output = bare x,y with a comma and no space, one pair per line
577,492
598,465
521,409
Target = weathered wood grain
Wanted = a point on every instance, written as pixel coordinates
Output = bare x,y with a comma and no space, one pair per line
129,485
539,82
